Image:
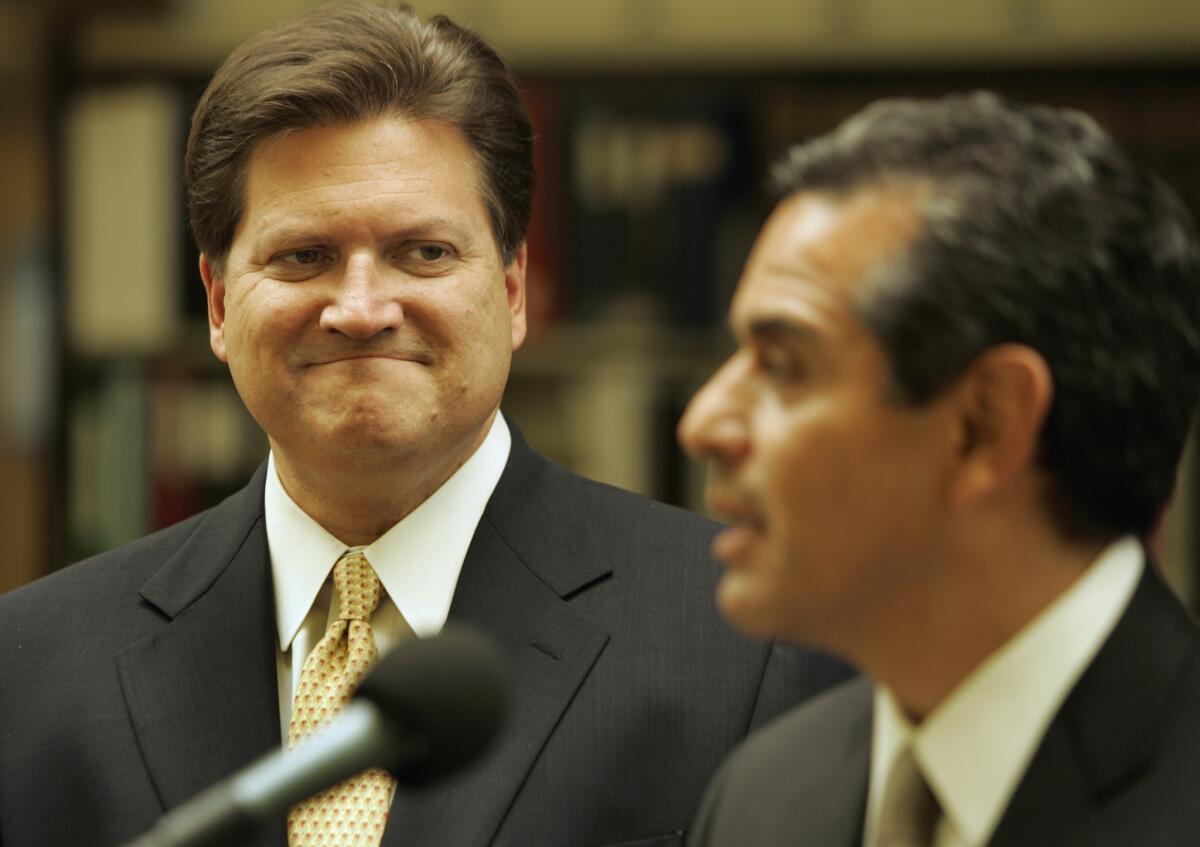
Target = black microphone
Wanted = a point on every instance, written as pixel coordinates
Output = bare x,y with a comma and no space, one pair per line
428,708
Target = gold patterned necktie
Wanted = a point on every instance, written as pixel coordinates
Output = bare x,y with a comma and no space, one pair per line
352,813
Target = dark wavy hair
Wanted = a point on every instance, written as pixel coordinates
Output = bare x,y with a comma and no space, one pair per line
1040,232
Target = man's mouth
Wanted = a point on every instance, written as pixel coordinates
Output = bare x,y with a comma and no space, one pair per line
746,528
734,543
413,358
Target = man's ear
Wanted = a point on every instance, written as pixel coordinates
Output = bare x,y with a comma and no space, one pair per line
214,288
514,285
1003,401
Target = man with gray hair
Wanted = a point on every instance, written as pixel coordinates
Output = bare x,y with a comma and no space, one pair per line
359,184
969,355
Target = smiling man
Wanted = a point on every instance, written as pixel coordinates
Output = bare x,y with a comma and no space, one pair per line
968,356
359,184
366,314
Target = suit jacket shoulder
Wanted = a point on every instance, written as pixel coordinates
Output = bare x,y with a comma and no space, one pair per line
135,678
115,571
800,780
628,686
1120,763
1117,767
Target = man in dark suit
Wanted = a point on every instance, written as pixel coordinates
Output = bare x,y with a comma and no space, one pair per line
969,353
359,185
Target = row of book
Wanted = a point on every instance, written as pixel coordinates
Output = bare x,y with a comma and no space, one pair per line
146,450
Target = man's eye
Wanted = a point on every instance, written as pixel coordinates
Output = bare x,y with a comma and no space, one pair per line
300,258
431,252
431,258
304,257
779,365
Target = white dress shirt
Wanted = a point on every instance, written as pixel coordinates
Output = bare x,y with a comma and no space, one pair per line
418,561
975,746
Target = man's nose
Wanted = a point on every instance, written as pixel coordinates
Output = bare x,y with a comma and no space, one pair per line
365,303
714,424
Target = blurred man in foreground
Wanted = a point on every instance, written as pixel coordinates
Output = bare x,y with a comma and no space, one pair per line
968,356
359,184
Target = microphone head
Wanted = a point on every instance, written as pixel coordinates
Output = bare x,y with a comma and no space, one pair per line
449,694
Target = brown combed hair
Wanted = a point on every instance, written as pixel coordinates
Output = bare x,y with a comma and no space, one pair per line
345,63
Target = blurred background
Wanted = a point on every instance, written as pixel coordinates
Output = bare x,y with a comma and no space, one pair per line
656,120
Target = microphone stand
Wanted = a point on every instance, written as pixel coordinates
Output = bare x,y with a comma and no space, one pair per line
232,810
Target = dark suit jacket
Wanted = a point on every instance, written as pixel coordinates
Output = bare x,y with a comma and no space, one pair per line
1119,765
132,680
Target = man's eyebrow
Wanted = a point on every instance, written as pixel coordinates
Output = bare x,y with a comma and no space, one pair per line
428,227
290,235
780,329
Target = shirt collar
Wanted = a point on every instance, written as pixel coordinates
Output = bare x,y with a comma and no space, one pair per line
418,560
976,745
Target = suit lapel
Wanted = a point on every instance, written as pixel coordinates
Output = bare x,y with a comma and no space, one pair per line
201,692
1107,728
831,803
1052,805
533,547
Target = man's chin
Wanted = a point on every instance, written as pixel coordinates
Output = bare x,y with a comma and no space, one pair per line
382,440
744,604
367,436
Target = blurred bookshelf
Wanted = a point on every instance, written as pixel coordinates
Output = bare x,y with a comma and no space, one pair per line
650,194
655,121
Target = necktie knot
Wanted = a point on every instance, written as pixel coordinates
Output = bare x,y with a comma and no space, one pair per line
358,588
